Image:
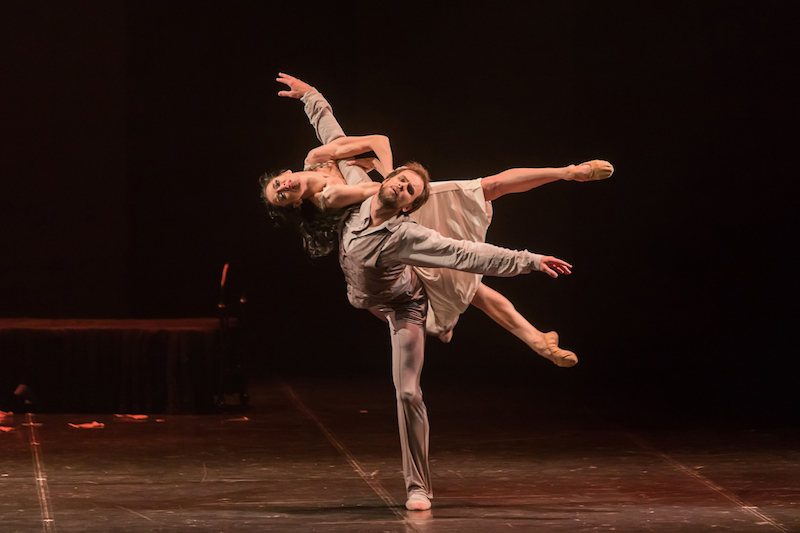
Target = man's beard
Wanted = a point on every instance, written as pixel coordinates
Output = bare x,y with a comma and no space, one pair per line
387,197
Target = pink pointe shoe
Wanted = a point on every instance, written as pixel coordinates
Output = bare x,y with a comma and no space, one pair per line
600,170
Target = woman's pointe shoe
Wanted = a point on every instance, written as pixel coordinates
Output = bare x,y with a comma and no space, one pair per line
561,357
600,170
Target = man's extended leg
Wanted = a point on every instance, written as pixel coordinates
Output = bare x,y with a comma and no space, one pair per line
407,329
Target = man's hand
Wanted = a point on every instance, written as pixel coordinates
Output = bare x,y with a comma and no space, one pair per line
297,88
552,266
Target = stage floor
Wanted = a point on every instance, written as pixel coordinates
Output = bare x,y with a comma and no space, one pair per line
323,455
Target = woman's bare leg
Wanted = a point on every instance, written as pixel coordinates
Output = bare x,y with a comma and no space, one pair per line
502,311
524,179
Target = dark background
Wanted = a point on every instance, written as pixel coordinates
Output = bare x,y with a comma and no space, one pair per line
133,134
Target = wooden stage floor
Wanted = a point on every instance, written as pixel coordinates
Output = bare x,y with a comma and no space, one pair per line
323,455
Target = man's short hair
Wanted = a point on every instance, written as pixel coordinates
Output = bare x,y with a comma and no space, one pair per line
422,172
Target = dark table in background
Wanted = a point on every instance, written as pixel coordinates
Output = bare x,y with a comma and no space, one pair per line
124,366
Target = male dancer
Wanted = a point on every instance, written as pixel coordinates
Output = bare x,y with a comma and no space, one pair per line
378,245
376,250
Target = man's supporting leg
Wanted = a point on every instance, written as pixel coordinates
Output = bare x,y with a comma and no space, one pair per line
407,328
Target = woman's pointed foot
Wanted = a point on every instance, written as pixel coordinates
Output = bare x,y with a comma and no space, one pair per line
561,357
593,170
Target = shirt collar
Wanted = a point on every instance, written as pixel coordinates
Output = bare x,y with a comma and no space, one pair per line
361,227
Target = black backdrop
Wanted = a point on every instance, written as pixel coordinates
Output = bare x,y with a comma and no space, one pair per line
133,134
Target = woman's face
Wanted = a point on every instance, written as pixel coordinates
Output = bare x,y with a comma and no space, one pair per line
287,189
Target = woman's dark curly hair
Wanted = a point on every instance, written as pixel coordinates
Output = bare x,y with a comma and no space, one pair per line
319,230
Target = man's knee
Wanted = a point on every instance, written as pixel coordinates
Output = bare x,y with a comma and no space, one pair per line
409,397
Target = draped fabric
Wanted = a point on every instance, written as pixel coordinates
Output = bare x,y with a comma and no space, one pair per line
119,366
456,209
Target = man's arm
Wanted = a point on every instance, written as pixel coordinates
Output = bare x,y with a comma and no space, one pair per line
417,245
320,115
317,109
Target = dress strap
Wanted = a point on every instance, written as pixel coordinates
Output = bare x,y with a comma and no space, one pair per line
323,202
315,166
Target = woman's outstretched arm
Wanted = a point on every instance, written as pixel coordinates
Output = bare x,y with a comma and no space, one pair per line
346,147
338,196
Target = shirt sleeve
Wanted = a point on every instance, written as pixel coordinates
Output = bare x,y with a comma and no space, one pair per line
320,115
417,245
327,128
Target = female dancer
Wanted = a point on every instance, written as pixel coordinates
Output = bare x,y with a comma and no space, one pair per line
287,189
313,200
458,209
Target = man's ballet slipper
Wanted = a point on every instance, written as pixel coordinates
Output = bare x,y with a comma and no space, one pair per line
561,357
418,501
600,170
